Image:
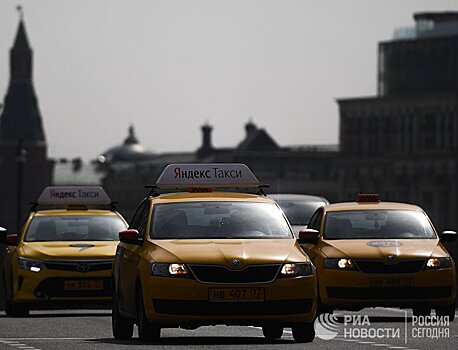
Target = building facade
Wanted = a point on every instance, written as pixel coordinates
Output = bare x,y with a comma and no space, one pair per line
403,143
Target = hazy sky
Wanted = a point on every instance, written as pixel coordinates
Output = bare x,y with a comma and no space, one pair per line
169,66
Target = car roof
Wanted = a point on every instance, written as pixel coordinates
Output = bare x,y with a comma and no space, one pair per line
355,206
54,212
297,197
211,196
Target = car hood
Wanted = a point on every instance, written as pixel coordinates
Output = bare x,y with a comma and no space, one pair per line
222,251
69,250
380,249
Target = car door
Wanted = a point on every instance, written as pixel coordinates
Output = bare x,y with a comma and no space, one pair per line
128,259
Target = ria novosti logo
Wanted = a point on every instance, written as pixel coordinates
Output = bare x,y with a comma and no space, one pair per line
326,326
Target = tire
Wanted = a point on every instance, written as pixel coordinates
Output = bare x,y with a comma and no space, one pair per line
6,302
122,327
421,311
303,333
446,310
17,309
14,309
323,309
320,307
147,332
272,332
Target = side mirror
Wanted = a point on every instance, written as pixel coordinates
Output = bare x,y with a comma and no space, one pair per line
448,236
2,234
308,235
11,239
130,236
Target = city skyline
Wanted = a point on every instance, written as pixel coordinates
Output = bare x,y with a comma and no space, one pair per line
168,68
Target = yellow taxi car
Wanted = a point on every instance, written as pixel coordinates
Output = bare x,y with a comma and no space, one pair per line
63,257
371,253
202,257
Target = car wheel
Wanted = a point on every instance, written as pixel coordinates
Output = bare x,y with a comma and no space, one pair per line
122,327
17,309
146,330
421,311
322,308
446,310
14,309
6,301
303,333
272,332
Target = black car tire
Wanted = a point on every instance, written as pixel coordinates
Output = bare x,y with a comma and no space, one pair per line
14,309
303,332
272,332
147,331
122,327
446,310
421,311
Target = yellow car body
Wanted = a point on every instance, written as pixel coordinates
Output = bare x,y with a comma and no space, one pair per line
220,278
371,253
47,268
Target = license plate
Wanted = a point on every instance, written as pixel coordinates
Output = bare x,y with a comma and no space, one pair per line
392,282
236,294
83,285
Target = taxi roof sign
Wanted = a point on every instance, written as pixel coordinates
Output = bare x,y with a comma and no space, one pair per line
368,198
207,175
70,195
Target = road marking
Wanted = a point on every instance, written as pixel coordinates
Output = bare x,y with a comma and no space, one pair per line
13,340
18,345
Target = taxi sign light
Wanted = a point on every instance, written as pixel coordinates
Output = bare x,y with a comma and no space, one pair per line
368,198
209,175
73,195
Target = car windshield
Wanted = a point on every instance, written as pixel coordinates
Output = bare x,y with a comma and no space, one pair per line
74,228
390,224
218,220
299,213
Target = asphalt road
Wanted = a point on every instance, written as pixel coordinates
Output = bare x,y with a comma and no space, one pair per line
89,329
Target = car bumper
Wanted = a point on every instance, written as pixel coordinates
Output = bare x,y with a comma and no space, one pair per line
174,301
433,288
55,287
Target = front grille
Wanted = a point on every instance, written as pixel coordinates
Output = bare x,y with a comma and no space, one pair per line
79,265
379,266
205,308
55,287
389,293
221,274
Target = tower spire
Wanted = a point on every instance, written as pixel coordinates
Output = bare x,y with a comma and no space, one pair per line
20,119
20,12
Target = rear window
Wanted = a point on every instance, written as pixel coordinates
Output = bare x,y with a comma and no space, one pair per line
218,220
390,224
299,213
74,228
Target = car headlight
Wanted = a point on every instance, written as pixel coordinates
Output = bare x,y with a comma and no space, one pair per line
169,270
339,264
439,263
296,269
31,265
